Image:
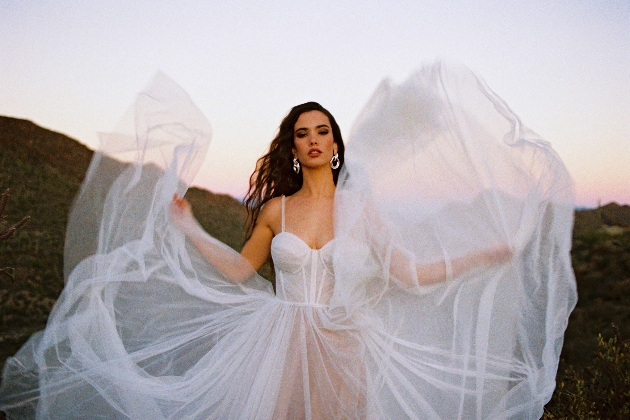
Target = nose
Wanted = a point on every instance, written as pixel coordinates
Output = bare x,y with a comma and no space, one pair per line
312,138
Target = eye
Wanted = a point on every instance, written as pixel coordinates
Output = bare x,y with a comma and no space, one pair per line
300,134
323,132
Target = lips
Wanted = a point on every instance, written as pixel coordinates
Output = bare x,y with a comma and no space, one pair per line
314,152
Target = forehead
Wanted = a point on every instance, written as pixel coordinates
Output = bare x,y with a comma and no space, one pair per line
311,119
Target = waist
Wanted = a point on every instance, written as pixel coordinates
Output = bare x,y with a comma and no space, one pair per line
301,304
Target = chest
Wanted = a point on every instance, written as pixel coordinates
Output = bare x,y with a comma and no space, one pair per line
312,221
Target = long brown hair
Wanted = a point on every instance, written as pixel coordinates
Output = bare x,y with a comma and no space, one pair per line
274,175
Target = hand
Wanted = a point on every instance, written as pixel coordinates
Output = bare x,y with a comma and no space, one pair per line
180,213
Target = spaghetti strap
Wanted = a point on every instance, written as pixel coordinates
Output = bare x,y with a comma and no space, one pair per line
282,213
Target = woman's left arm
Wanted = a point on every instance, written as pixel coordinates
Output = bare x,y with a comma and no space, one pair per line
405,270
400,263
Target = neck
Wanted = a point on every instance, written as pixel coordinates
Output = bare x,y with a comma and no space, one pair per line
318,182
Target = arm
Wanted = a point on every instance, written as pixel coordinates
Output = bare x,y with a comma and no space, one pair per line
404,268
401,263
236,267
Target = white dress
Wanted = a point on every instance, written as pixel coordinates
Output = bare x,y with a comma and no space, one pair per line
436,168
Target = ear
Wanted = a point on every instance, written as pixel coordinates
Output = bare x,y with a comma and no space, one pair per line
335,148
294,152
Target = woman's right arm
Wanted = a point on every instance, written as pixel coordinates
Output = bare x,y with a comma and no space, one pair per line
236,267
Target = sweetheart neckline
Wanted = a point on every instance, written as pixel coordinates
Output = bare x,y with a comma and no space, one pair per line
303,241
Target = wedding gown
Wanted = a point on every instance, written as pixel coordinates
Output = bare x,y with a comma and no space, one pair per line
436,168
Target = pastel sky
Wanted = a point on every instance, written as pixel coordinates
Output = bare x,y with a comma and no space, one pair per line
563,66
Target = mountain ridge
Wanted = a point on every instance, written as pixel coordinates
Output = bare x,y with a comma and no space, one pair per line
32,144
43,170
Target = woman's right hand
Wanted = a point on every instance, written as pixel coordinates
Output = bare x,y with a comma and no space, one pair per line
230,263
180,213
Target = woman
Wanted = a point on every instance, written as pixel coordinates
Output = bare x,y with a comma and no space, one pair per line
395,296
296,181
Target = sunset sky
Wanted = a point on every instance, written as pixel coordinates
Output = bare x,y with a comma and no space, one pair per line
562,66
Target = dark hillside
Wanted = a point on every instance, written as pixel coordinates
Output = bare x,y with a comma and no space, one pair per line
32,144
593,380
44,170
601,261
612,214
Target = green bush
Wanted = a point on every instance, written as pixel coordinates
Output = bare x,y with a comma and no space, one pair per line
600,391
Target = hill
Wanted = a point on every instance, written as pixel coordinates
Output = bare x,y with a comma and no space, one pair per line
44,169
610,215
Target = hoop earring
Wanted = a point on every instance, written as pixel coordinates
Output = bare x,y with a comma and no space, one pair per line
334,161
296,165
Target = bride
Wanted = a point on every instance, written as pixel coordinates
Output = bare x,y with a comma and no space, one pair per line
303,162
424,274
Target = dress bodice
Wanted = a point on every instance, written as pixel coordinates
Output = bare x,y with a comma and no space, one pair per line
303,274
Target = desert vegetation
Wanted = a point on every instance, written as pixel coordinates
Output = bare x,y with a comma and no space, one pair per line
7,233
593,380
44,170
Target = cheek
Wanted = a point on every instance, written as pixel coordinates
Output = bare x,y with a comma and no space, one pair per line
333,145
300,146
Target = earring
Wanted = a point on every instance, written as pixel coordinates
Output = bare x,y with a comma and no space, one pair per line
334,161
296,165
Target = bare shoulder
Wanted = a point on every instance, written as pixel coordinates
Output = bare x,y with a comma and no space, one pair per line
271,214
271,208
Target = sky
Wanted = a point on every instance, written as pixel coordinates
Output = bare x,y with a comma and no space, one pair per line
562,66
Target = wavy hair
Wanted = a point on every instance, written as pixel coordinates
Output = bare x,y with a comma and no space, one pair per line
274,174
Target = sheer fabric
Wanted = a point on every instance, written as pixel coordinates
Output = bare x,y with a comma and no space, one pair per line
436,168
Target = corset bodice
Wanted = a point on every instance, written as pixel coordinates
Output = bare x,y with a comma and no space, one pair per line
303,275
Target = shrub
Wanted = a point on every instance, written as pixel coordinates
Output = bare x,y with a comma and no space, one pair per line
10,231
601,391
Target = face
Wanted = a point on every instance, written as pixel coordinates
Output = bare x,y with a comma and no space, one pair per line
313,141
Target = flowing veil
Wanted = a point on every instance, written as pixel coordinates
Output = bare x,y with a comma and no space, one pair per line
139,301
439,167
435,169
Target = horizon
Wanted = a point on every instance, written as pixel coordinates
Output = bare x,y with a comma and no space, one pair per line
562,67
240,199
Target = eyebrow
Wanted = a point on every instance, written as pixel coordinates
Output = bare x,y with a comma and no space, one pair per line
319,126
